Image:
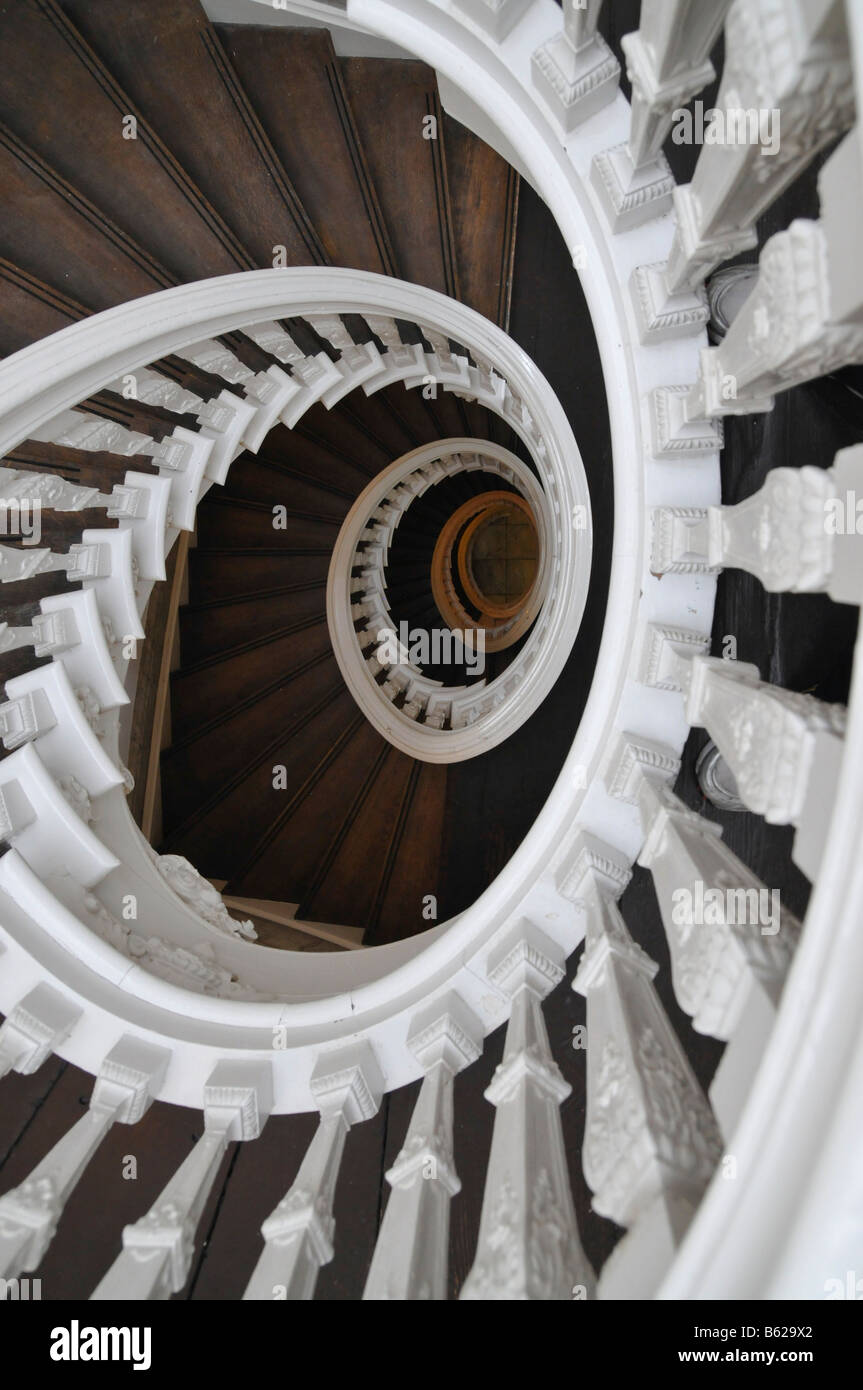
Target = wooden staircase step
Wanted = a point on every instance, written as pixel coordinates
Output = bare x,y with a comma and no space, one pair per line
352,875
366,442
57,235
301,827
224,840
402,907
207,630
220,574
171,62
314,459
200,768
226,522
209,689
30,309
391,103
484,199
137,183
292,73
253,479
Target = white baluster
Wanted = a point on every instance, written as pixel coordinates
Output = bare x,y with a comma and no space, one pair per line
668,61
576,71
158,1249
384,328
787,72
410,1259
223,421
298,1235
797,533
529,1246
315,375
767,735
34,1029
731,941
78,429
783,335
271,391
496,17
651,1143
129,1077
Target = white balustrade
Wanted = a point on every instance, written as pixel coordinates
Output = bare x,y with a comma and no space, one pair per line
158,1249
127,1081
786,92
271,392
651,1143
298,1235
731,940
412,1250
314,376
667,62
528,1245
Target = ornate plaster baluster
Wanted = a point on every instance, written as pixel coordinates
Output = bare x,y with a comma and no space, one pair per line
128,1078
34,1029
51,490
667,62
217,359
767,735
158,1249
783,335
576,71
77,429
797,533
651,1143
410,1259
298,1235
529,1246
787,63
731,941
384,328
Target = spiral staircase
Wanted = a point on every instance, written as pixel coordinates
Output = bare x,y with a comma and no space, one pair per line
305,351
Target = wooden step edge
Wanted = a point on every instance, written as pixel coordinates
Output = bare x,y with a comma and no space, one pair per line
260,139
243,648
88,57
362,170
289,471
446,225
207,605
296,800
226,789
345,826
224,501
395,845
122,242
